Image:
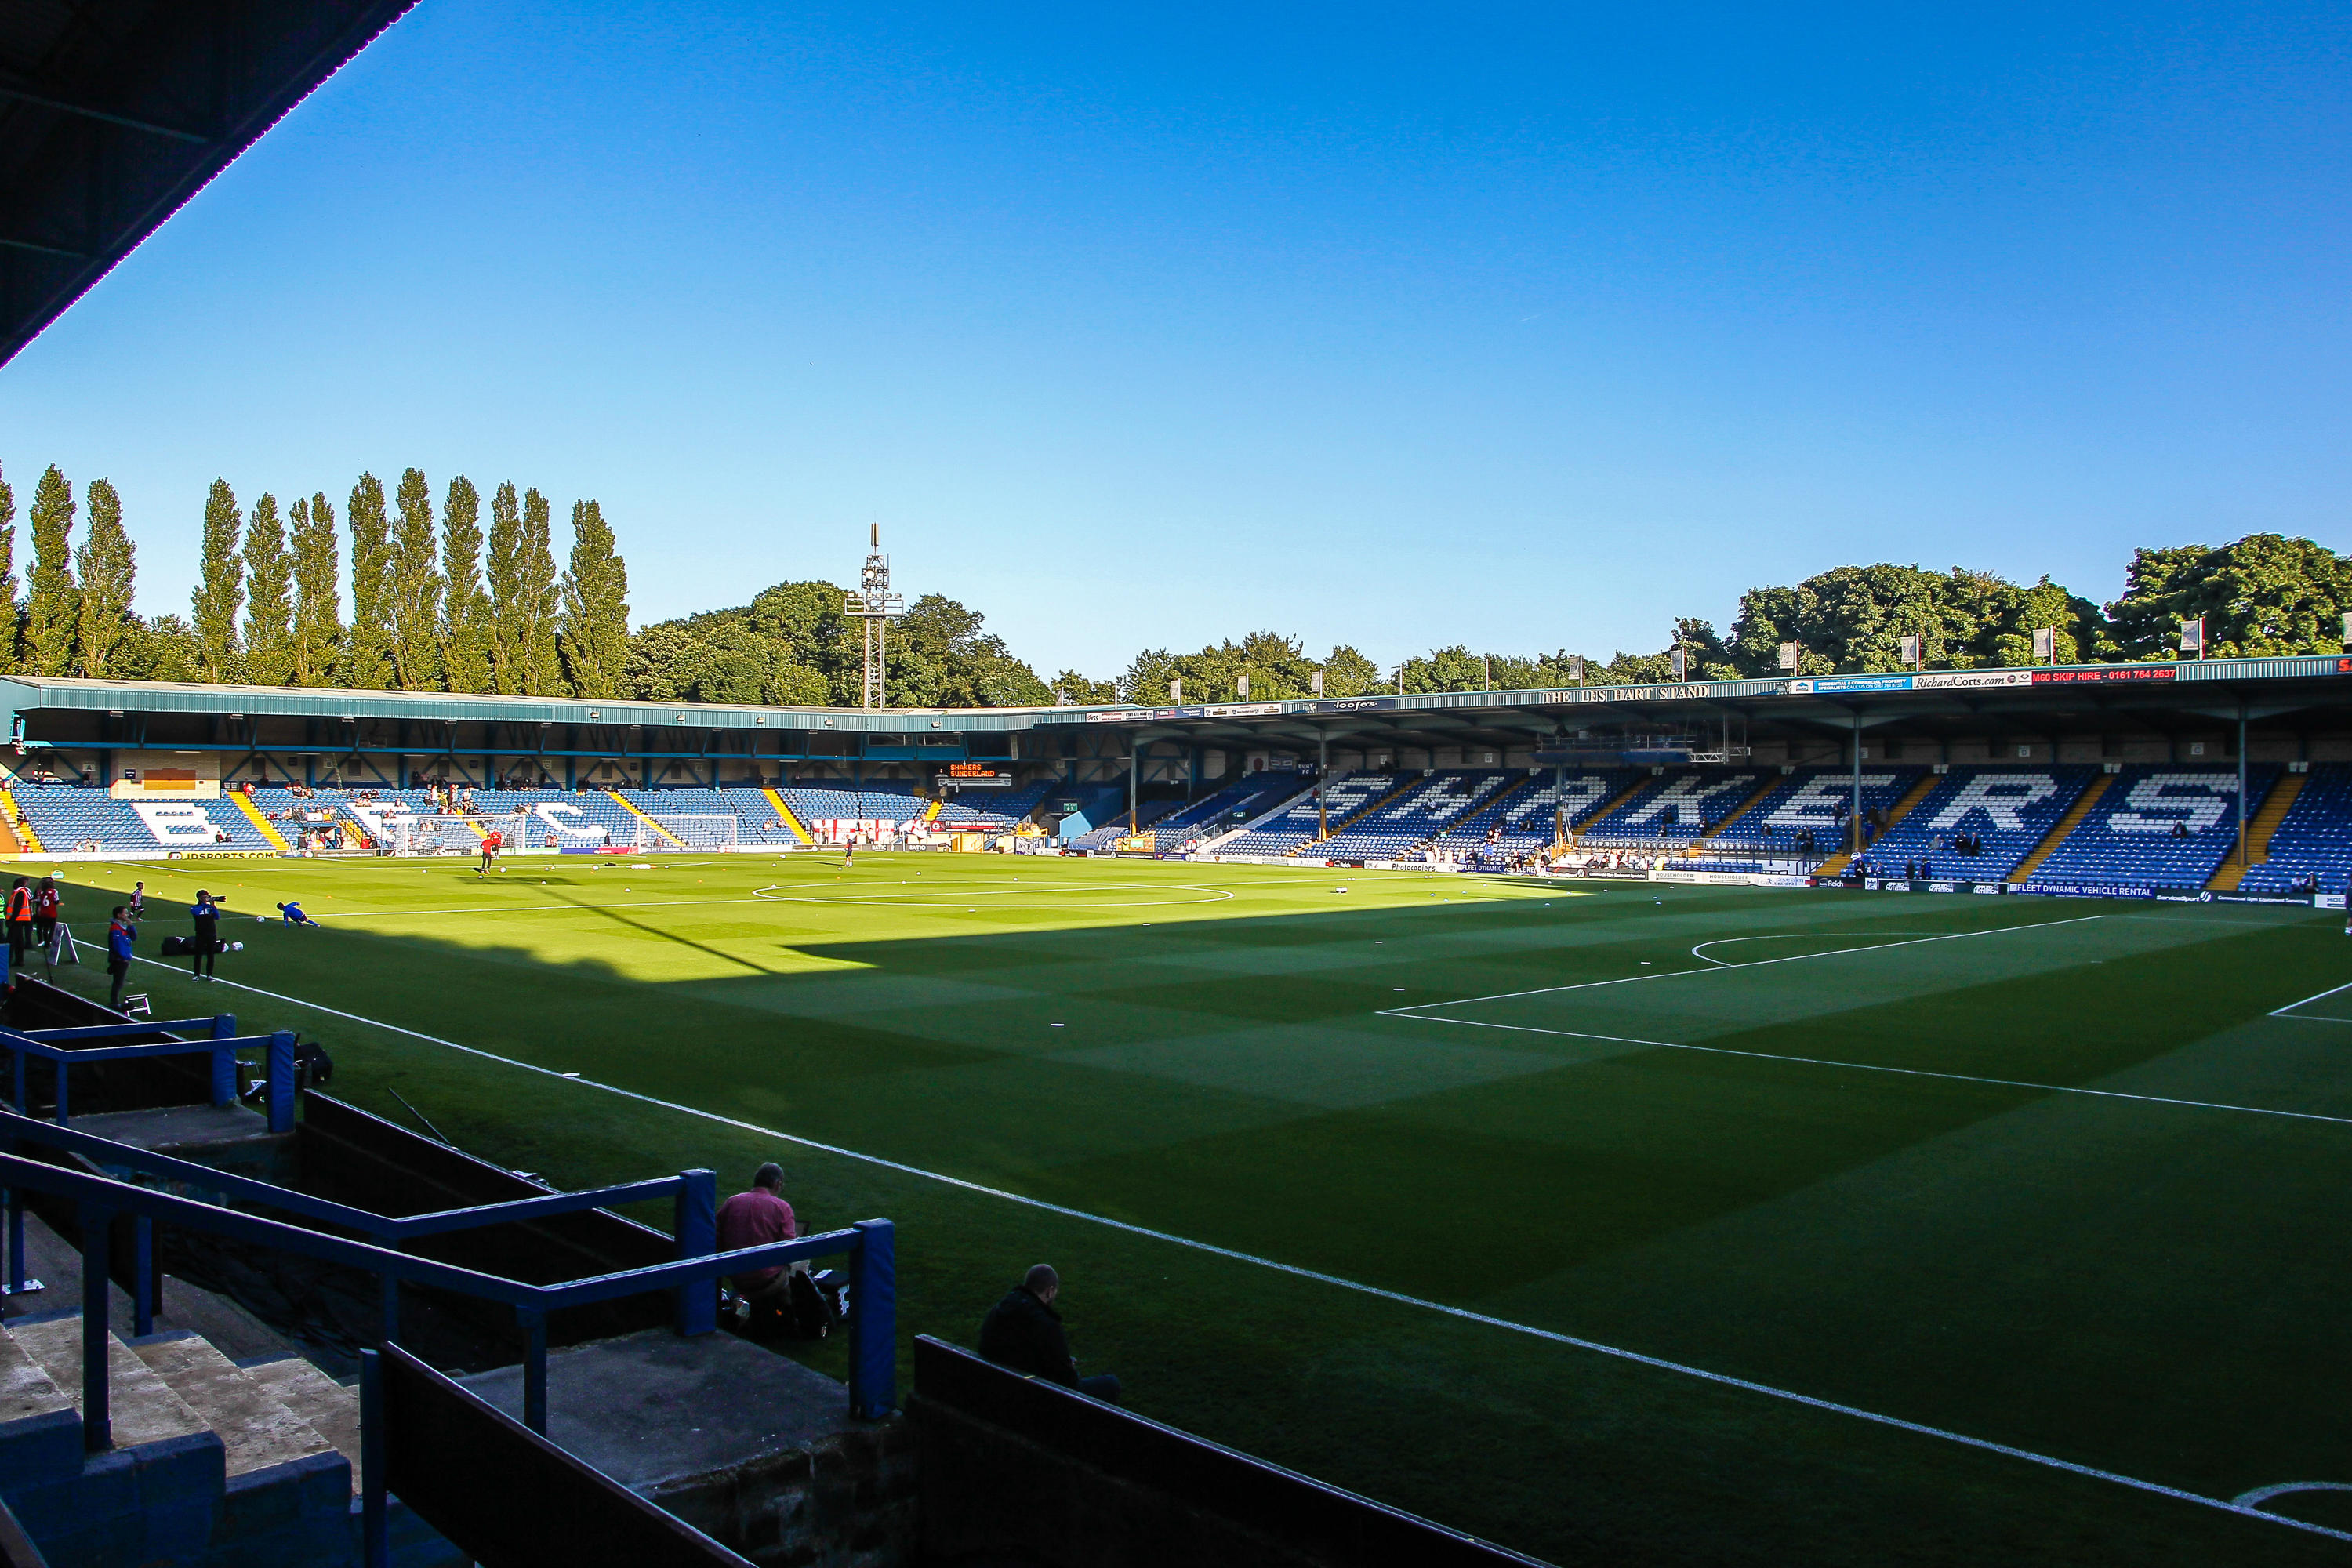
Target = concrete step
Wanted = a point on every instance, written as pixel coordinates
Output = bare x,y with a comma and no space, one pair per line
257,1429
26,1388
332,1410
142,1407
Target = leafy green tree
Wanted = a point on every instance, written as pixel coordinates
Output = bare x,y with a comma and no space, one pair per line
53,607
220,591
594,630
369,664
269,609
1348,673
2264,595
415,587
509,617
318,630
1084,691
109,572
465,625
539,603
9,609
161,649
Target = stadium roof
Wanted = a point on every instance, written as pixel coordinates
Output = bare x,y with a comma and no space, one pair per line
113,112
2071,699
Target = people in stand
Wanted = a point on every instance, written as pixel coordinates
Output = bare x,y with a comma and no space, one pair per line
20,924
754,1218
1023,1334
120,934
205,912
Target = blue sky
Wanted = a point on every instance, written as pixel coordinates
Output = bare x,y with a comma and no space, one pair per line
1133,327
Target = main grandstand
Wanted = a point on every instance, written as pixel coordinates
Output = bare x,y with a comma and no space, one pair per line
2217,778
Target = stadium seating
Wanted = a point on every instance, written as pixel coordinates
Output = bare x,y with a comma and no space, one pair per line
2009,810
993,810
66,815
2312,840
2160,826
1683,804
1814,800
1417,814
1529,816
1292,830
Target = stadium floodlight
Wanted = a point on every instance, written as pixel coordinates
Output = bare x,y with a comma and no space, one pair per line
711,835
2045,645
1314,677
1680,663
1790,654
874,604
1576,668
2192,637
1241,684
1176,691
1911,650
2348,628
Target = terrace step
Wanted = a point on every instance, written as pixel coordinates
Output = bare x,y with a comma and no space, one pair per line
332,1410
140,1406
257,1429
2066,824
1770,787
2260,829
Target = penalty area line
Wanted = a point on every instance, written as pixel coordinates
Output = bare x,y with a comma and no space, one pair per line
1464,1314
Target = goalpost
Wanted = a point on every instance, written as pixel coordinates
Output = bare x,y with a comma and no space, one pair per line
453,834
705,835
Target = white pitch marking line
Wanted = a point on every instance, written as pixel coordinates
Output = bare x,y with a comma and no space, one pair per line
2318,997
1792,958
1865,1066
2261,1495
1618,1353
1698,952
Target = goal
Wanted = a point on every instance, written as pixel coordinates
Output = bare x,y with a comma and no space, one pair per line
451,834
706,834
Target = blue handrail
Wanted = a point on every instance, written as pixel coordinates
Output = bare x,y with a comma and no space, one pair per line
222,1045
99,1199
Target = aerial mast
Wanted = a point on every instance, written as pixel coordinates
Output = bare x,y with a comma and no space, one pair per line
874,604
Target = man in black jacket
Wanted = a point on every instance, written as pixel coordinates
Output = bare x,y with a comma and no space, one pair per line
1023,1334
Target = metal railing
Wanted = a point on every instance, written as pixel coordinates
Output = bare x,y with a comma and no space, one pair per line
222,1044
100,1200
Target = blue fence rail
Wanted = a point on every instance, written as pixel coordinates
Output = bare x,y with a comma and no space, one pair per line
100,1200
221,1043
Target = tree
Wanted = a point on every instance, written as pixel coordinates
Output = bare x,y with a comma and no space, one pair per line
595,633
163,649
269,610
415,588
1082,690
318,631
109,568
2266,595
539,603
8,609
220,590
509,616
466,631
52,606
369,666
1348,673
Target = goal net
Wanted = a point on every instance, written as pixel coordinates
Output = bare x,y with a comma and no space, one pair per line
706,834
452,835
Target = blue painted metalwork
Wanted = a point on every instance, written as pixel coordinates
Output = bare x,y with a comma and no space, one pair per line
97,1428
222,1045
872,1304
375,1520
696,1226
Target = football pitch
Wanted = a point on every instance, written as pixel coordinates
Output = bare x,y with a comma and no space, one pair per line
1613,1222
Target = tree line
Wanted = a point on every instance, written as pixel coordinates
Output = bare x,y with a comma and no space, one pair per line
446,605
428,612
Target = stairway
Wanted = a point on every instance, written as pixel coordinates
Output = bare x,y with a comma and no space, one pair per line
260,1462
1771,786
2066,824
1576,833
17,832
2260,829
1919,792
1333,829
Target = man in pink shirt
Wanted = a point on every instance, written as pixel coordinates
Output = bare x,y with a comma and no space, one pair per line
753,1219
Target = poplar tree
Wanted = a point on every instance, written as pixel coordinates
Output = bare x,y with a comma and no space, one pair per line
110,567
7,577
540,600
466,613
415,587
508,615
318,595
220,591
51,609
595,633
270,614
369,666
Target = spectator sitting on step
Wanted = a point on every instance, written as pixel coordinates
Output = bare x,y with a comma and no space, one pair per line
755,1218
1023,1334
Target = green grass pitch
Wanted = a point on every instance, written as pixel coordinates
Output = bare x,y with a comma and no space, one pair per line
1376,1174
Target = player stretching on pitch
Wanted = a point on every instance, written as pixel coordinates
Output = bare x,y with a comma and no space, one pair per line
848,853
492,843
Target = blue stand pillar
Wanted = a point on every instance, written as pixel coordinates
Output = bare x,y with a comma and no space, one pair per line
281,1082
697,1230
874,1322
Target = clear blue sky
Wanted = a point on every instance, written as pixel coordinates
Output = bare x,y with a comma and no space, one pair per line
1401,327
